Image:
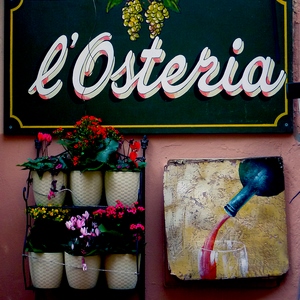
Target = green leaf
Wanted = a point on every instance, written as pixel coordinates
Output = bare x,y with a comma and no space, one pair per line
112,3
172,4
62,161
92,252
102,228
30,248
104,155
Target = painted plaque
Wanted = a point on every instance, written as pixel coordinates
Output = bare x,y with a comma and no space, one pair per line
148,66
225,218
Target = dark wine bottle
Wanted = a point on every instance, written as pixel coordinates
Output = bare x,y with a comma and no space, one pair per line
259,176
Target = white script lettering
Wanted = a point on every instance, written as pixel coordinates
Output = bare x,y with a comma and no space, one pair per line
206,69
45,74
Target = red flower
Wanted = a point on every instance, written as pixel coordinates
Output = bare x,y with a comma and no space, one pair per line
135,146
133,156
132,210
75,160
119,205
48,138
40,136
99,212
45,140
44,137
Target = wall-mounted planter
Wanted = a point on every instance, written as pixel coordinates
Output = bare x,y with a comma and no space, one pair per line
46,269
123,186
42,187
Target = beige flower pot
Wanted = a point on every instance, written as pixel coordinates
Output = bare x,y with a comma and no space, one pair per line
79,279
122,271
41,188
123,186
86,187
46,269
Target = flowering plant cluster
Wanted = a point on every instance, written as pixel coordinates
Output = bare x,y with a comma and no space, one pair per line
48,234
84,235
44,163
121,227
113,229
49,213
89,144
126,159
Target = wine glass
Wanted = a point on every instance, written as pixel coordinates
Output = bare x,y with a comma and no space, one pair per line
228,259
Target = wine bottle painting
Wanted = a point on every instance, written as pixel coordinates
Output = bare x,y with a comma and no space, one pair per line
225,218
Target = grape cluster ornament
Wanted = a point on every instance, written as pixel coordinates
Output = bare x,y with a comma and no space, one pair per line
133,18
155,16
153,12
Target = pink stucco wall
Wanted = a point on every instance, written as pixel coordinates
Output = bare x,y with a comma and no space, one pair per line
161,148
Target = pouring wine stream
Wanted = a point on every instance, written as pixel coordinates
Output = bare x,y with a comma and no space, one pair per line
259,176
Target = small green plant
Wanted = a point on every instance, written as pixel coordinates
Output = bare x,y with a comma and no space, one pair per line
127,159
41,164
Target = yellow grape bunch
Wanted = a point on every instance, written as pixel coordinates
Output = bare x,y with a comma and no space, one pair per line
131,14
155,15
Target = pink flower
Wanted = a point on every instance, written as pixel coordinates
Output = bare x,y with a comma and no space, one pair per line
86,215
73,220
84,232
132,210
48,138
97,231
51,195
119,204
140,226
111,211
59,166
84,266
120,214
80,223
70,225
132,227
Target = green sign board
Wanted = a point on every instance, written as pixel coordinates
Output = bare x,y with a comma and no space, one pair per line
170,66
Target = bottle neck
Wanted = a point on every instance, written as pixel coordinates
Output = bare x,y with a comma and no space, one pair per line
238,201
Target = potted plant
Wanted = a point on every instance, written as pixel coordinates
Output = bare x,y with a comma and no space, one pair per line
89,145
44,245
122,178
123,232
47,173
82,258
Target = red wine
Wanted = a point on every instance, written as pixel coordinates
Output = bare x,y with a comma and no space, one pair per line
208,267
